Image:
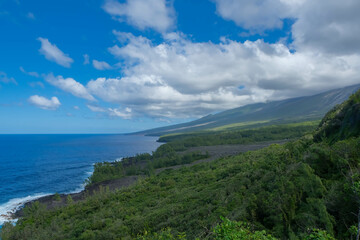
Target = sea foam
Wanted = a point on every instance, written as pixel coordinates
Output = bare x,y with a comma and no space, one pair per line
7,209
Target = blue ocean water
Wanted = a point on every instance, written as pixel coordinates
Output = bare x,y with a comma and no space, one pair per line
36,165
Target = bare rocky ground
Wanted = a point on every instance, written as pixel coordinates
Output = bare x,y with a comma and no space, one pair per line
215,152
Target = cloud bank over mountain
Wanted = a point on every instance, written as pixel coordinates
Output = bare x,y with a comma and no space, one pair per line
182,78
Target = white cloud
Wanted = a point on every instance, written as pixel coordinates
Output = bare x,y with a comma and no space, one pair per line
76,107
5,79
112,112
156,14
115,112
96,108
44,103
256,15
180,78
86,59
328,27
69,85
33,74
101,65
54,54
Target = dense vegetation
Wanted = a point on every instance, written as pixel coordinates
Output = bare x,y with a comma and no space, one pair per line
274,189
290,191
341,122
167,155
142,164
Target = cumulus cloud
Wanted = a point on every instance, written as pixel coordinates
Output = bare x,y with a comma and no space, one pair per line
147,95
327,27
54,54
115,112
180,78
256,15
5,79
45,103
112,112
156,14
69,85
101,65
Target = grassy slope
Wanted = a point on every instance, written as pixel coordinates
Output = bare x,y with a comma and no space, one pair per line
261,114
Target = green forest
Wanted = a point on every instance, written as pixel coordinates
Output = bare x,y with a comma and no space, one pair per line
307,188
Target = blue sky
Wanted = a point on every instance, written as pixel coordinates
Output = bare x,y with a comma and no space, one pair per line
116,66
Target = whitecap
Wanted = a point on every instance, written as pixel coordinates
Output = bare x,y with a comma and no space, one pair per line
7,209
77,190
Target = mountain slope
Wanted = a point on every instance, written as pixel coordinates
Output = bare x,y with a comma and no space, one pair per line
342,122
301,108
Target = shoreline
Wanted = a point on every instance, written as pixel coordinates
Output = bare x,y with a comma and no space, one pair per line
19,203
10,213
48,199
13,205
51,202
13,201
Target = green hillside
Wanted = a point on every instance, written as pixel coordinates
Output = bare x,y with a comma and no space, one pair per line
341,122
308,188
261,114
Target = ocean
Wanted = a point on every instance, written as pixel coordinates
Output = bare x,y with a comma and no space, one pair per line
32,166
